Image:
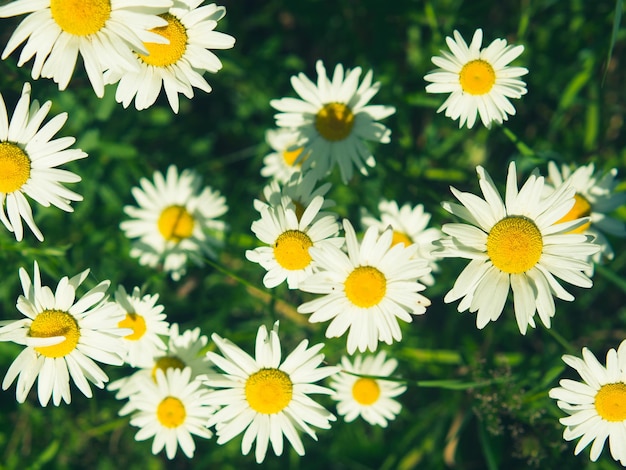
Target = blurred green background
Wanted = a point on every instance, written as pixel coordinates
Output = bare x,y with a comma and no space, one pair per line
573,112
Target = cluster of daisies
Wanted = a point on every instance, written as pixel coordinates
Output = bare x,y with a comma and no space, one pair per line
527,241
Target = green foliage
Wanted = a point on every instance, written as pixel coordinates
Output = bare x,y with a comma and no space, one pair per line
476,399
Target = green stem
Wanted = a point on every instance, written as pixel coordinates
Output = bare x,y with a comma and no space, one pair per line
562,341
521,146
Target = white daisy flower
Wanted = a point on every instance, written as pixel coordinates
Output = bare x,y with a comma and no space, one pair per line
103,32
146,320
410,226
370,398
595,198
183,351
176,66
63,335
265,398
175,221
597,405
289,238
283,162
480,81
517,245
29,161
170,410
366,290
297,194
333,119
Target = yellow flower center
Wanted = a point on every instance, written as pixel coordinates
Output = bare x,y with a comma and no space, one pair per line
135,322
334,121
514,244
268,391
291,250
175,223
400,237
290,156
167,362
365,286
162,55
365,391
14,167
171,412
610,402
477,77
581,208
50,323
80,17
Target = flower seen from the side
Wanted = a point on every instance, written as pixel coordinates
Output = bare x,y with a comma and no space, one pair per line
366,290
283,161
29,161
266,398
170,410
410,226
146,320
290,238
596,406
176,66
333,120
63,336
595,198
479,81
103,32
175,221
368,397
515,244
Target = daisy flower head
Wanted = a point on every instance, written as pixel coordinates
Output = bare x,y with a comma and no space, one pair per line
410,226
515,244
333,119
184,350
596,407
370,398
170,411
366,290
480,81
146,320
297,193
103,32
63,336
289,238
175,221
29,161
283,161
178,63
266,399
595,198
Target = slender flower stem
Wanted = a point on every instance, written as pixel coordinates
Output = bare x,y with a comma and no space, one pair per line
521,146
562,341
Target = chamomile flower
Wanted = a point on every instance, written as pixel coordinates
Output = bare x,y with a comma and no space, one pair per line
289,238
184,350
63,336
297,193
370,398
29,161
170,410
175,221
410,226
283,161
146,320
517,245
176,66
264,398
480,81
595,198
103,32
366,290
333,119
597,405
